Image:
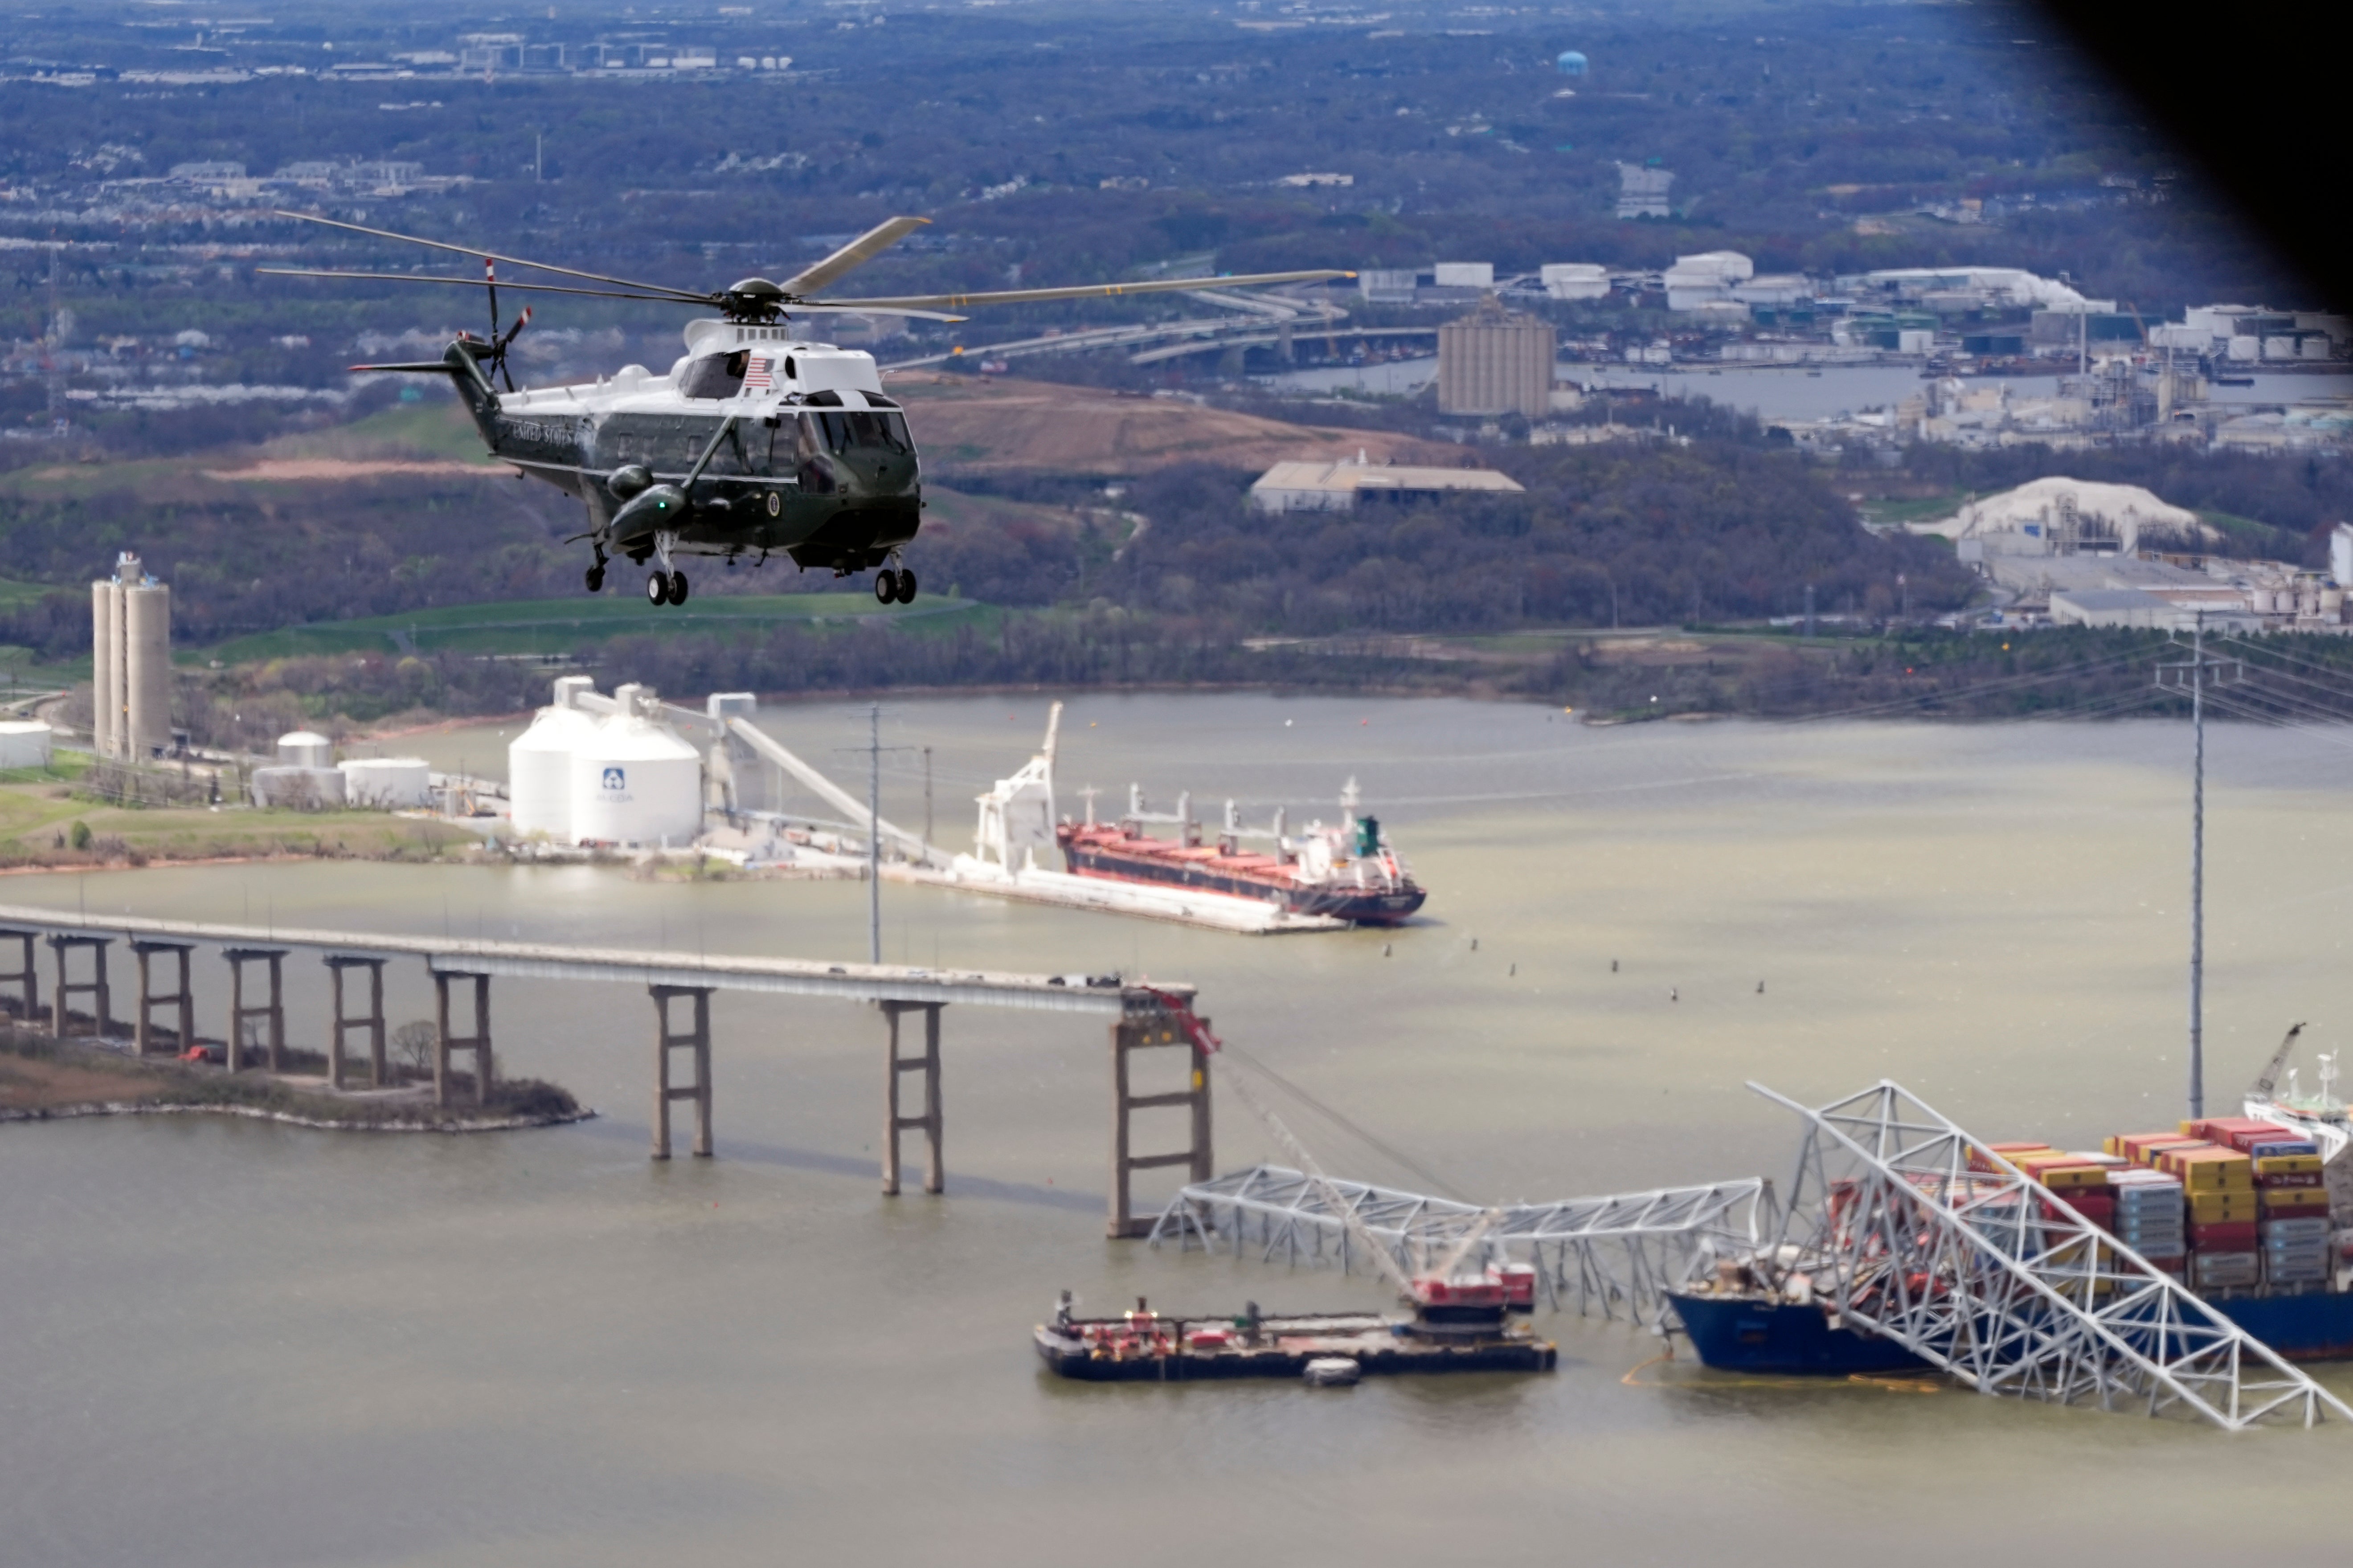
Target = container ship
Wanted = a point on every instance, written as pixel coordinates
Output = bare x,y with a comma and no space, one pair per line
2236,1209
1346,871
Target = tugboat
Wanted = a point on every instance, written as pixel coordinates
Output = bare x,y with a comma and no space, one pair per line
1455,1325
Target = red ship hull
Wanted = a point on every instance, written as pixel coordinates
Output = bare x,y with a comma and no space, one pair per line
1113,856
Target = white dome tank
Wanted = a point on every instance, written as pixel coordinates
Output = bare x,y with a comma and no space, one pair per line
388,783
305,748
539,773
635,782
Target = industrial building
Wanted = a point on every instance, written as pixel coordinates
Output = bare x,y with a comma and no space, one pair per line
131,664
1496,362
1642,191
1336,487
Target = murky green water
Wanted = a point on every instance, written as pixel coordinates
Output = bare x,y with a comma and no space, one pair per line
231,1343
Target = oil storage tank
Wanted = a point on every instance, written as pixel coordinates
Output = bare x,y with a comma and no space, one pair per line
387,783
635,782
305,748
539,773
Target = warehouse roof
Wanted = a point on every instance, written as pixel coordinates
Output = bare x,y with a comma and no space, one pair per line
1355,474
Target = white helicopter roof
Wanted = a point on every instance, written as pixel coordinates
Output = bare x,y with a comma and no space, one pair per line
781,366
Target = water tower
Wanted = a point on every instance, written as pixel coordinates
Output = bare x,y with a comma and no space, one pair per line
1570,63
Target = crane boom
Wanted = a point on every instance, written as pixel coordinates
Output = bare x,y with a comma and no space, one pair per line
2267,1082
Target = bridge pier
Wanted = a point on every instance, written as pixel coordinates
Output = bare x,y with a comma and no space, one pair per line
371,1020
25,978
270,1013
479,1042
183,998
1153,1031
931,1120
696,1038
102,1015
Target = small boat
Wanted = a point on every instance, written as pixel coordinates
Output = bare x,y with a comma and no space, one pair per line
1455,1325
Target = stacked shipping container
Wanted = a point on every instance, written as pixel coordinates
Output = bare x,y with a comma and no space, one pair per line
2224,1203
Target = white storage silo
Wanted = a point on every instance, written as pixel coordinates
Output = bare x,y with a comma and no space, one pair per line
539,773
387,783
635,782
305,748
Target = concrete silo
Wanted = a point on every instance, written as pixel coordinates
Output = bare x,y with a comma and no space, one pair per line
147,688
130,663
105,713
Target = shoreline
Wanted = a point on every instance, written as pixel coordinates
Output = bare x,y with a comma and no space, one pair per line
291,1119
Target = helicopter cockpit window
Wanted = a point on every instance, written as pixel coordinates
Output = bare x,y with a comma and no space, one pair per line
850,430
717,375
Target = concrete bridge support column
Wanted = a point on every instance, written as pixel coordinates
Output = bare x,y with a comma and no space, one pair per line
26,979
695,1038
371,1020
479,1042
183,998
1153,1031
936,1178
100,1011
270,1014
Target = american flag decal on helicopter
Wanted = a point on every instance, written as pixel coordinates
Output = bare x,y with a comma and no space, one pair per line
756,375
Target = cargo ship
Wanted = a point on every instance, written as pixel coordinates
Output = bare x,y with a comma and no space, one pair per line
1346,871
1455,1325
2236,1209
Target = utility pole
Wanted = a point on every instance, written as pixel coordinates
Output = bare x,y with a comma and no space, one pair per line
875,833
1810,612
927,795
2197,673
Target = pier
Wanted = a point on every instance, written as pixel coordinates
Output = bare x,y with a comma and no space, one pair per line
677,985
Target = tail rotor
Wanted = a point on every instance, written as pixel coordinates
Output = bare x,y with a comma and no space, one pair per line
499,343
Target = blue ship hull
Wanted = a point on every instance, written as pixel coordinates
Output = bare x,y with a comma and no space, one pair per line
1735,1335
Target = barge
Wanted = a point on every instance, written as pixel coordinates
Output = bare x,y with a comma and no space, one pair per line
1455,1326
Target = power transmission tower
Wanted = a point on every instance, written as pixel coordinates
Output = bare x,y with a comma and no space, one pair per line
2196,674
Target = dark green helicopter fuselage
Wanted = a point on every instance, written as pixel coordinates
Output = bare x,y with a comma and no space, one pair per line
698,463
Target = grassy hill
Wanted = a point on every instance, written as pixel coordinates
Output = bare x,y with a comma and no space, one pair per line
525,626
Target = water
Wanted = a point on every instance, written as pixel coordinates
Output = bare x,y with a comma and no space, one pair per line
1785,392
232,1344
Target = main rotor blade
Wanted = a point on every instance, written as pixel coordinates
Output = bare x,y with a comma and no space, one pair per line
494,256
862,309
855,253
480,283
1095,290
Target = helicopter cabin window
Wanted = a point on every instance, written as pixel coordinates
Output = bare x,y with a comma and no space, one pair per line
848,429
717,375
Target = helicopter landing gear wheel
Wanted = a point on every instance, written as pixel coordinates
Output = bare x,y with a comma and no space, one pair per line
678,587
886,586
596,578
657,589
906,584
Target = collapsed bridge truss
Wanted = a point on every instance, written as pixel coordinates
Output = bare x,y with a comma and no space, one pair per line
1994,1278
1608,1255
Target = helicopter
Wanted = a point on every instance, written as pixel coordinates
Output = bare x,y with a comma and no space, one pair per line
757,440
